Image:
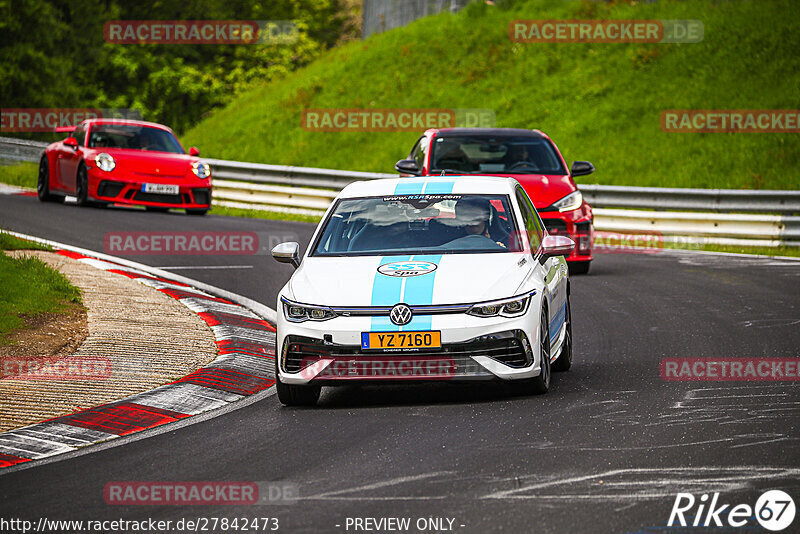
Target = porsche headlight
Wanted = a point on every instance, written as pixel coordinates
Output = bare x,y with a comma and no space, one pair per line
298,313
105,162
512,307
570,202
201,170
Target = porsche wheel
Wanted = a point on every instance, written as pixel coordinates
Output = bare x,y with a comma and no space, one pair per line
579,267
82,186
43,183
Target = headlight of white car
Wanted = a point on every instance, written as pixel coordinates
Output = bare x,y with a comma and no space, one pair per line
201,170
105,162
298,313
512,307
570,202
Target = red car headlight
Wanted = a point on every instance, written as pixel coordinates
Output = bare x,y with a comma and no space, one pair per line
201,170
570,202
105,162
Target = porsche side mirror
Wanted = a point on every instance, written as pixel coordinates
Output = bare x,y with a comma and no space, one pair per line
407,166
581,168
193,151
71,142
556,245
287,253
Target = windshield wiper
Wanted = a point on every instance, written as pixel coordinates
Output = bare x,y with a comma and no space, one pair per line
451,171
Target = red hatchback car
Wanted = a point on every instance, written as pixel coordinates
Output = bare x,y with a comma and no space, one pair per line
107,161
527,155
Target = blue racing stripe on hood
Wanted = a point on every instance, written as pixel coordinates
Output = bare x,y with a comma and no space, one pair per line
413,290
419,290
439,187
408,188
386,291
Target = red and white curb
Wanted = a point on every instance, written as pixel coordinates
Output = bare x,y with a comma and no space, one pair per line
6,189
245,366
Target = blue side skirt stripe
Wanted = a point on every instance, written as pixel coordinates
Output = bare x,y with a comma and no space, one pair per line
558,322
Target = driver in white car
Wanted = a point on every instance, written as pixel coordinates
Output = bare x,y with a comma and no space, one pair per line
474,217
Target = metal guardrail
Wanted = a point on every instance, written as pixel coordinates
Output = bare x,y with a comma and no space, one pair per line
309,191
719,228
21,149
716,200
288,175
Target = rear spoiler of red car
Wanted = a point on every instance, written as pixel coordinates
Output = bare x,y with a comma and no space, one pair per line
65,129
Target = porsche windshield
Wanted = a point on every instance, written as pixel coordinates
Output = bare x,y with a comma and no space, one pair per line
487,154
403,224
133,137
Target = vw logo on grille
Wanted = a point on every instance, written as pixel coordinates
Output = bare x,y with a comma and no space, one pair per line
400,314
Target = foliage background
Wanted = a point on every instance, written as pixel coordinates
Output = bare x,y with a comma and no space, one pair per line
53,54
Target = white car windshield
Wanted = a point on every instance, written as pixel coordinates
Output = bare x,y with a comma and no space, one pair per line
403,224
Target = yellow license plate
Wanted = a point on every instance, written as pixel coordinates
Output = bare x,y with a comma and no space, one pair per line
401,340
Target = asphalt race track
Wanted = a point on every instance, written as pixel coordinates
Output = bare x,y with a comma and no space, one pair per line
607,450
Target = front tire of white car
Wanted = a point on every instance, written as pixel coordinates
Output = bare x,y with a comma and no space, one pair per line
292,395
564,361
540,384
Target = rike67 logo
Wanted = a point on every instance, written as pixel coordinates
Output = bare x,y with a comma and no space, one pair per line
774,510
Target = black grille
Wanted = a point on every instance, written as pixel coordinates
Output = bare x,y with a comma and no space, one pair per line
202,196
582,227
109,189
555,226
511,348
157,197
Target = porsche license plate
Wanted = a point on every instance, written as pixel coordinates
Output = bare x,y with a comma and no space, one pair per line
401,340
164,189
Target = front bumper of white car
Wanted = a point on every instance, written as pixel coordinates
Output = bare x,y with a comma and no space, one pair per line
472,348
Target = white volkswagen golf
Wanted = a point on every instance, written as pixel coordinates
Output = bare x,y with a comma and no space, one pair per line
436,278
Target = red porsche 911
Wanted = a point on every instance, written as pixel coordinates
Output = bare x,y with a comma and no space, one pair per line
107,161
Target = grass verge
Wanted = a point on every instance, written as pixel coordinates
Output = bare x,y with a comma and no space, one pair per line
739,249
598,101
20,174
29,287
259,214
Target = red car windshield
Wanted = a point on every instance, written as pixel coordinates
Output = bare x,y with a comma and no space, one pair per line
484,154
133,137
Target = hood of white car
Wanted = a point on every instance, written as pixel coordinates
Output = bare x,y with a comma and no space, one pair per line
414,280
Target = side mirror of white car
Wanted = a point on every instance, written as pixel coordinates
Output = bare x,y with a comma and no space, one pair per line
287,253
554,245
